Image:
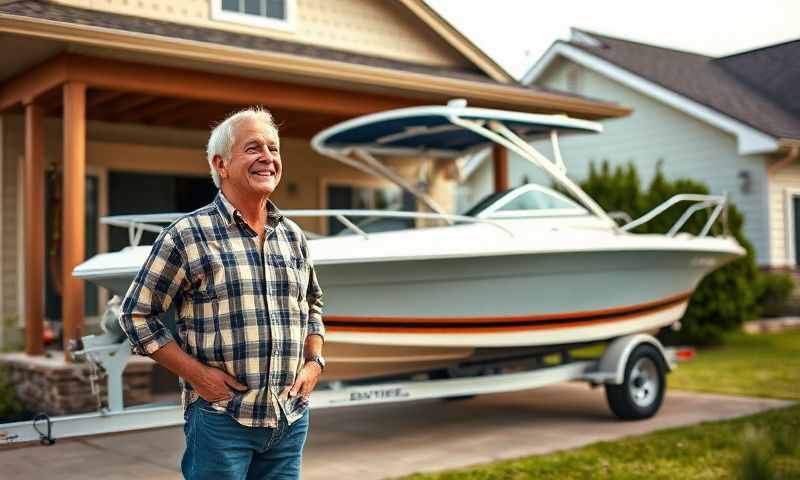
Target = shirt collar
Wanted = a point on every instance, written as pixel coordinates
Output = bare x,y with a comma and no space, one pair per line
230,214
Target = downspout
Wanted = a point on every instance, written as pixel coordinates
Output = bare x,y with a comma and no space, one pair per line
794,154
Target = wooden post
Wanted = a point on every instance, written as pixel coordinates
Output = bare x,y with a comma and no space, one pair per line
34,229
74,210
500,164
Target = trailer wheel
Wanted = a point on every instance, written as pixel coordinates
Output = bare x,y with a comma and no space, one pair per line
642,391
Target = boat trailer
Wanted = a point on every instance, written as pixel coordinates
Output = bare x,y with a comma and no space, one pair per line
632,368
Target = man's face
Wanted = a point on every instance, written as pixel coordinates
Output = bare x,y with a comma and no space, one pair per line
255,164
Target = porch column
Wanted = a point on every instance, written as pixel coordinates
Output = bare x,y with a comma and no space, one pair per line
500,164
74,209
34,228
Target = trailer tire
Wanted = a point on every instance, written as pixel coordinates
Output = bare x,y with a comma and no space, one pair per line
642,391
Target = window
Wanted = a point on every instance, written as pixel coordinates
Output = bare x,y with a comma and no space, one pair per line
260,13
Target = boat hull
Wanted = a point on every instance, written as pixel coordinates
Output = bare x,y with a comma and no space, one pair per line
514,300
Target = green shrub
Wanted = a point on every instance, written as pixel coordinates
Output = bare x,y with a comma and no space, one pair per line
723,299
776,289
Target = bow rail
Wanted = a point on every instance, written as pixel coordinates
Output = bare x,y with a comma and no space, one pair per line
138,224
720,203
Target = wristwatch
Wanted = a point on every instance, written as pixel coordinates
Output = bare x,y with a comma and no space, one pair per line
320,361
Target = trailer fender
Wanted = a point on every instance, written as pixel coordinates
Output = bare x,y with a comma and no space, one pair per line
611,366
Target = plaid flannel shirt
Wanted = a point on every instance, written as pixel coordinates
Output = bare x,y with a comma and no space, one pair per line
242,307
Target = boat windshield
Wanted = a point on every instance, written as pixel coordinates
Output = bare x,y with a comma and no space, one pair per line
526,198
486,202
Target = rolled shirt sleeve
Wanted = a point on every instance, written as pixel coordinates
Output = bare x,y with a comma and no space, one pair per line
313,295
314,298
160,280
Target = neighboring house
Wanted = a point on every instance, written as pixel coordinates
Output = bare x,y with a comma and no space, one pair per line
105,108
731,122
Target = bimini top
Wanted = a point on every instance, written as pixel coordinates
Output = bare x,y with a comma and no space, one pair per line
432,130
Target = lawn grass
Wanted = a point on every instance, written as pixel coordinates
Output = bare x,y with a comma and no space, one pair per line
763,446
764,365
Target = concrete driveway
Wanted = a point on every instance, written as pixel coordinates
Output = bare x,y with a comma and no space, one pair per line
377,442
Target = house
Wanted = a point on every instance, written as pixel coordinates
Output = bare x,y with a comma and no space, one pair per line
731,122
105,108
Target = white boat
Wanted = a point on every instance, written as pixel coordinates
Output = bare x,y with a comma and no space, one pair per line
525,272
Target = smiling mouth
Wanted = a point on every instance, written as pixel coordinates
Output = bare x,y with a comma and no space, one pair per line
268,173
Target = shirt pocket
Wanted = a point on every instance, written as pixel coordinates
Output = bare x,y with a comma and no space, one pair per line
289,275
300,269
213,282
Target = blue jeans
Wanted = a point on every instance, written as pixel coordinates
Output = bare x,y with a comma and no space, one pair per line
219,448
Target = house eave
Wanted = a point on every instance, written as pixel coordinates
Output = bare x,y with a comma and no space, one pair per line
750,141
307,67
457,40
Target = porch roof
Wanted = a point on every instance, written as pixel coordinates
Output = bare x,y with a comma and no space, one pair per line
149,41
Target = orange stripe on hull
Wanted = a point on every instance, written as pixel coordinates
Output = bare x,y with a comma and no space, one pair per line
451,325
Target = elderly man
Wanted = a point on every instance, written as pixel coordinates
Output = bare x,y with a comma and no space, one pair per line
248,342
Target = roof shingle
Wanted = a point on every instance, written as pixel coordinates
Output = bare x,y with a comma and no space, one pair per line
752,87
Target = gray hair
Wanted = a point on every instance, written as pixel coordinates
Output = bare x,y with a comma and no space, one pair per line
222,137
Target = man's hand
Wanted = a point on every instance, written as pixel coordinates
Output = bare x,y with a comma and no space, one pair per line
210,383
306,380
214,384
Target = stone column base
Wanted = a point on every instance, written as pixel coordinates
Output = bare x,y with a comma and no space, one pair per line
50,385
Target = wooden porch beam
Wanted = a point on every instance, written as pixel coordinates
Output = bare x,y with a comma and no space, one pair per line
121,106
34,228
197,111
99,98
500,164
164,107
176,82
27,86
74,210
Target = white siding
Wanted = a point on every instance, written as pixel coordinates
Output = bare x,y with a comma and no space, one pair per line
782,184
654,132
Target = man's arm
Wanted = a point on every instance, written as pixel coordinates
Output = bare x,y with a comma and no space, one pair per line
307,380
162,277
314,299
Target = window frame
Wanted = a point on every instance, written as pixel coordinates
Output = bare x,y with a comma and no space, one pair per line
287,25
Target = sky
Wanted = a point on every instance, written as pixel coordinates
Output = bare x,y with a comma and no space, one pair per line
517,32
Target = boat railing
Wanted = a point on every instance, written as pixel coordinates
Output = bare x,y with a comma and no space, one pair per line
620,216
138,224
702,202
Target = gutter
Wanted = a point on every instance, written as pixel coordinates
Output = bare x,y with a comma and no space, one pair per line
305,66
